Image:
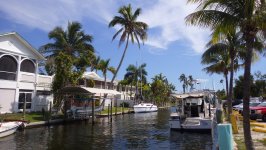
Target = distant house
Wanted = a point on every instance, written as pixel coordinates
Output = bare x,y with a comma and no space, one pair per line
127,93
19,78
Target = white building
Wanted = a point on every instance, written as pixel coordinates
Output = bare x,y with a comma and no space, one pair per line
19,78
127,93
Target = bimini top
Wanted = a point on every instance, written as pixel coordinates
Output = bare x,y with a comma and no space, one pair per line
190,95
87,90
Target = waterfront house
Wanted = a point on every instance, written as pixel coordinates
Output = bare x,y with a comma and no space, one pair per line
19,78
127,93
20,81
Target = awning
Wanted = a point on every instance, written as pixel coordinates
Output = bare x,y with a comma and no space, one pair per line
186,95
86,90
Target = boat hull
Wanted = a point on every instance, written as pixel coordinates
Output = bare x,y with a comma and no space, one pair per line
145,107
9,128
191,125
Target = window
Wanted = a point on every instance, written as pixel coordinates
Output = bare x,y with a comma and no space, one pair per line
27,66
8,68
24,96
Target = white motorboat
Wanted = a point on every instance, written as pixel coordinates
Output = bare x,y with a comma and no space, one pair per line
194,112
145,107
8,128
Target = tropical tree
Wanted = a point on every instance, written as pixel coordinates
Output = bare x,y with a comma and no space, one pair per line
191,82
218,63
73,42
94,64
73,47
131,30
224,55
161,89
184,79
247,15
104,66
135,74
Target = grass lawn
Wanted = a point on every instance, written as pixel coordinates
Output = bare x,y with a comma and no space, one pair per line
30,117
119,109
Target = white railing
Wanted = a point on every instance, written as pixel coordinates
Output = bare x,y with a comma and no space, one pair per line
27,77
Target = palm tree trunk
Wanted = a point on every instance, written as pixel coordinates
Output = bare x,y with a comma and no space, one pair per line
246,90
226,84
120,63
105,81
230,94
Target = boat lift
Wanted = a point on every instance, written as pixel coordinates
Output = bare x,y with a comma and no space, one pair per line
91,94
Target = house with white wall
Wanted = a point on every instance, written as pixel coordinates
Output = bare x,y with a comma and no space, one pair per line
127,93
19,78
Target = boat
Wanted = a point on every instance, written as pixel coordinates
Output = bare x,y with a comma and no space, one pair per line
194,112
145,107
8,128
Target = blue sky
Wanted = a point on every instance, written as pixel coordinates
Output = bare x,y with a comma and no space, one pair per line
172,48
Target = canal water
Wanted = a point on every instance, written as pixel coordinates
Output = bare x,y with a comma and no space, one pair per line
129,131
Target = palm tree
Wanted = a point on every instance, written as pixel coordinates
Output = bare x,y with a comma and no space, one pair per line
131,29
224,55
247,15
218,62
73,42
191,82
94,64
183,79
135,73
104,67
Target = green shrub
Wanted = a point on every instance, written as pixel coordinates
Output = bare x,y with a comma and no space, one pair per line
125,104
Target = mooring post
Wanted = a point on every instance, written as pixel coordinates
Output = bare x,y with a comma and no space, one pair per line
93,104
225,137
111,109
123,108
115,106
108,112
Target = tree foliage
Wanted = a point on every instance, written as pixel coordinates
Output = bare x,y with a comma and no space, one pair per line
131,29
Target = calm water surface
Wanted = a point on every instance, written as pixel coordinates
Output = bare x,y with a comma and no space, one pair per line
131,131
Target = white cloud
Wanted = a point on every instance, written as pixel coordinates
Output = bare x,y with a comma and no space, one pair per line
45,15
168,16
164,17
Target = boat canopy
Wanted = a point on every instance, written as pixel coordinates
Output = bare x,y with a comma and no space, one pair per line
87,90
188,95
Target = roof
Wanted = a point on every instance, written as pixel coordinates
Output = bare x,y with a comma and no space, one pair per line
91,75
95,76
27,44
86,90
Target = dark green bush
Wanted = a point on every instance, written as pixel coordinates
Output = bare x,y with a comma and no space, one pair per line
125,104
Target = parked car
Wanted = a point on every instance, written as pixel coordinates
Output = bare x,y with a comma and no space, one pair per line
238,107
258,112
251,104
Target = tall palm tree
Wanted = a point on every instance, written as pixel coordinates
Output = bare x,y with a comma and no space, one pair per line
226,52
183,79
104,67
247,15
131,29
218,61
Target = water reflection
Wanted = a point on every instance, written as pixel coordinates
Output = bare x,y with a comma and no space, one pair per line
132,131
